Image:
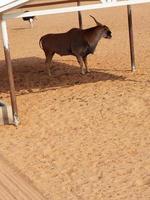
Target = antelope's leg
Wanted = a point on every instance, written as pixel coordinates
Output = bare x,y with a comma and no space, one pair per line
80,61
48,60
86,64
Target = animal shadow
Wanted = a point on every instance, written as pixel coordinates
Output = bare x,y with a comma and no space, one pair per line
30,75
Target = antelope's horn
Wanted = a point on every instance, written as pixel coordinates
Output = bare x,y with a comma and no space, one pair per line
96,20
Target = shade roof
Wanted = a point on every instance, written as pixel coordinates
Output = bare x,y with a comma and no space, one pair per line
6,5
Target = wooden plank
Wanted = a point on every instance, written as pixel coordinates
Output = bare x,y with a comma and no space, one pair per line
15,187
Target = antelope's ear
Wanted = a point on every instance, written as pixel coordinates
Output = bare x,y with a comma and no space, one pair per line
98,23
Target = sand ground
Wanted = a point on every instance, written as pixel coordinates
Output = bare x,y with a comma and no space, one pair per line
82,137
15,187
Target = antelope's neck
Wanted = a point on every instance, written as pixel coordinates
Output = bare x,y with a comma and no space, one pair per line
92,36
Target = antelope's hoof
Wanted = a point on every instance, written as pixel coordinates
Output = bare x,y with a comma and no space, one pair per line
83,72
49,74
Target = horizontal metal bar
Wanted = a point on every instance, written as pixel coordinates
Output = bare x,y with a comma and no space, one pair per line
33,5
73,9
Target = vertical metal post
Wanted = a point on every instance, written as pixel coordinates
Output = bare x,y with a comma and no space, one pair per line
133,66
79,15
10,70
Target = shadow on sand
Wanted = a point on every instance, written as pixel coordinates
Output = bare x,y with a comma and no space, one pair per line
31,75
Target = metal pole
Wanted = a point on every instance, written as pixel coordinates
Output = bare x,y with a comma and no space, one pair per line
79,15
10,71
133,65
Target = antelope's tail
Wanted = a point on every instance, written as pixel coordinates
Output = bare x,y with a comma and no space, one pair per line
40,43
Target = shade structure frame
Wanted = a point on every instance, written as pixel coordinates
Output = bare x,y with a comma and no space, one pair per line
6,47
73,9
131,38
79,16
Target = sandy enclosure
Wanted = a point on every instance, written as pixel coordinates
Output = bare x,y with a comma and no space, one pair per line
82,137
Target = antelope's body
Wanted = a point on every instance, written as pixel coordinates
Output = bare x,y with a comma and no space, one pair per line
77,42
